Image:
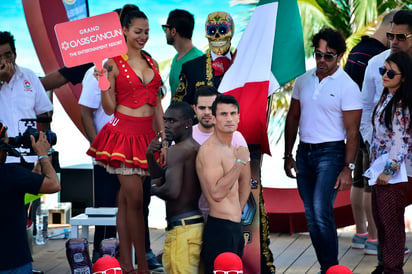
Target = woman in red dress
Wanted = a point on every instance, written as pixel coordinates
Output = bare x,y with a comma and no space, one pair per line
121,145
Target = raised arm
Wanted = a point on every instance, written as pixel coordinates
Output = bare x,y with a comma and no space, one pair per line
109,96
51,182
211,174
172,187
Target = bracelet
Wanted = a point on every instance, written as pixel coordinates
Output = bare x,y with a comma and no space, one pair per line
289,155
241,161
43,157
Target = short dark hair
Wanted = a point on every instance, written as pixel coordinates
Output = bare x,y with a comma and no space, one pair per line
7,38
224,99
128,13
205,91
333,38
403,17
182,21
187,111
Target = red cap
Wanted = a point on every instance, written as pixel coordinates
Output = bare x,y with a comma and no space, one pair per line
228,261
105,263
338,269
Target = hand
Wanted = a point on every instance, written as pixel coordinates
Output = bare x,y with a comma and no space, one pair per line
155,145
242,153
344,180
7,71
288,165
42,146
383,179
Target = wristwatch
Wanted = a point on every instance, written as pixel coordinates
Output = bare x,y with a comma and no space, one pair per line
351,166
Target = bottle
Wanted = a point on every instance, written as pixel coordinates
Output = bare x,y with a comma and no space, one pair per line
42,220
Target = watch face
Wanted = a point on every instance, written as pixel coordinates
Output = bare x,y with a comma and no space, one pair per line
351,166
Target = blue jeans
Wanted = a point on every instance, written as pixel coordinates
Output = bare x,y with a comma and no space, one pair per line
318,171
24,269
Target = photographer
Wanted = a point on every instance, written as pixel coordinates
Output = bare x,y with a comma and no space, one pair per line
15,182
22,95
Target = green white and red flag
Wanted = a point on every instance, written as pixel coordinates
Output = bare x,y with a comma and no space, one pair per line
270,54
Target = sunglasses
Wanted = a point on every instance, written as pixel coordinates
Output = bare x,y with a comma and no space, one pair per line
115,270
328,56
164,27
227,271
399,36
391,73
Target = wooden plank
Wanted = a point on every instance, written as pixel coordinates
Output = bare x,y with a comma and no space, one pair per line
292,252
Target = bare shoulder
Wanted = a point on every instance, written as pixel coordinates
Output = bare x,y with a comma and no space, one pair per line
209,150
111,66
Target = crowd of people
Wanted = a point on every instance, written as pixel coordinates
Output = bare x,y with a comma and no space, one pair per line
330,107
193,157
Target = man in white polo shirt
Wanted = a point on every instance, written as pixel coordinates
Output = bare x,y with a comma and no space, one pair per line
326,108
22,95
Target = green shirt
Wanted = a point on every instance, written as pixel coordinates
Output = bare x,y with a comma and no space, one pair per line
176,68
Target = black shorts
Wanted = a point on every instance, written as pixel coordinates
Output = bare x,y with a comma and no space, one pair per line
220,235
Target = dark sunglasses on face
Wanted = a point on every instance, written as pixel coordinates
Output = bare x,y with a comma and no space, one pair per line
391,73
328,56
164,27
399,36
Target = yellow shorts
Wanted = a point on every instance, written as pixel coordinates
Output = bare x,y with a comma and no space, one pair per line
181,254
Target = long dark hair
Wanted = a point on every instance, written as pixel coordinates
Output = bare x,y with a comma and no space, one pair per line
128,13
403,95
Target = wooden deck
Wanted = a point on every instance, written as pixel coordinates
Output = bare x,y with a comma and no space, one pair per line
293,254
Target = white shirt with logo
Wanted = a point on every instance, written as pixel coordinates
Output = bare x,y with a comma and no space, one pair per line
23,97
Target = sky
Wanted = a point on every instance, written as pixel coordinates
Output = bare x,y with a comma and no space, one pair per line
13,20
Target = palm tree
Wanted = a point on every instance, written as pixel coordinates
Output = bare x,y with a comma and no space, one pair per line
354,18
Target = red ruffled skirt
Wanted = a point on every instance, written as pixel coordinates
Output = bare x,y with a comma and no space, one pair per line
121,144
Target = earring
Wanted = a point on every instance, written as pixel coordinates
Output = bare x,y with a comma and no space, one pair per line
187,127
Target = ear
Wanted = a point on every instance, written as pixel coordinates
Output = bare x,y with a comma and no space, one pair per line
124,30
173,31
188,123
339,57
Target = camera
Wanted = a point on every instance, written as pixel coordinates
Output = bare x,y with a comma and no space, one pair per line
23,139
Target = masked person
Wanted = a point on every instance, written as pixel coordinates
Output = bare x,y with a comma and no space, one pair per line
208,69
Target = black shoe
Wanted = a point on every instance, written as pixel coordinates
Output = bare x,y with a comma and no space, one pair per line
153,264
37,272
378,270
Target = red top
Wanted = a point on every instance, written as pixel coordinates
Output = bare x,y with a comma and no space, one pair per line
130,91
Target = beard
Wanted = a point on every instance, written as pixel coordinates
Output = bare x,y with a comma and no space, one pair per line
205,125
170,40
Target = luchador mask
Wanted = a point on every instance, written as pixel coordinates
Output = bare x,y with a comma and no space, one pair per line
219,31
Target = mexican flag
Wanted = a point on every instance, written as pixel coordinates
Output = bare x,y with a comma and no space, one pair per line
270,54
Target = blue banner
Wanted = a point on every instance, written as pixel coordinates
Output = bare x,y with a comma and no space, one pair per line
76,9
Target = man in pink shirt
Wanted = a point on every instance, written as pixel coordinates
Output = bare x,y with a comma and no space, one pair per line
204,98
